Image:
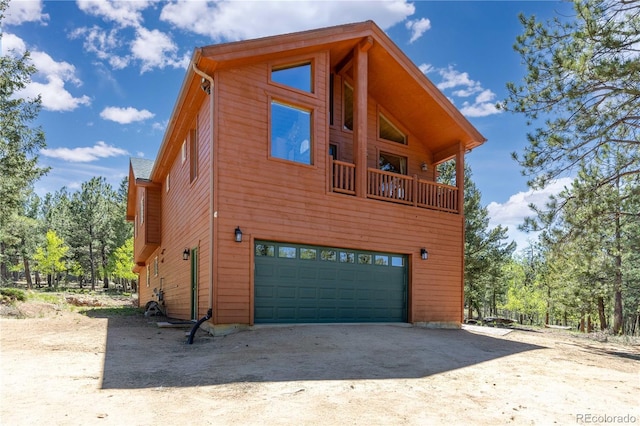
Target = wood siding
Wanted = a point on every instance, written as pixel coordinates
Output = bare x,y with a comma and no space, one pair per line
184,209
240,184
279,200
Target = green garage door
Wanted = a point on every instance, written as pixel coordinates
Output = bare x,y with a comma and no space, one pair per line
307,284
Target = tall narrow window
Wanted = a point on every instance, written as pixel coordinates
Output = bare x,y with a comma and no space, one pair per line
142,210
390,132
291,133
347,107
193,153
298,76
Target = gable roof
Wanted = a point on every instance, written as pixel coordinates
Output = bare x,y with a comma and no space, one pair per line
141,168
416,103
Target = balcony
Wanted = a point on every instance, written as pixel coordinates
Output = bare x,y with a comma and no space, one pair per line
395,188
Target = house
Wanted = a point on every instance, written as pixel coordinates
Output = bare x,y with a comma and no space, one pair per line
296,182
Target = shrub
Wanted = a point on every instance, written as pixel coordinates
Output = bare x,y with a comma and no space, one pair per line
13,294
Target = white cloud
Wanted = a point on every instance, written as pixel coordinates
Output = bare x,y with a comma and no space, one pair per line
11,42
417,28
20,11
426,68
155,49
125,115
103,44
124,13
50,80
161,126
238,20
453,78
482,106
513,212
84,154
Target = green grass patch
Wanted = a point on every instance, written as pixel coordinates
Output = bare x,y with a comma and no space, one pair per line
13,294
53,298
110,312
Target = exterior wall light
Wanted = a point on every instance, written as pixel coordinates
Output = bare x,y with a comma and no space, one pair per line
185,254
424,167
238,235
424,254
205,85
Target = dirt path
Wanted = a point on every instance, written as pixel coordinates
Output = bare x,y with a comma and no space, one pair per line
73,369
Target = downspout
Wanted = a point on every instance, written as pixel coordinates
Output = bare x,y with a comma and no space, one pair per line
212,212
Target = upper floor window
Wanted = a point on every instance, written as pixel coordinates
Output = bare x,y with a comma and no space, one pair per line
347,107
298,76
291,133
387,131
193,153
392,163
142,210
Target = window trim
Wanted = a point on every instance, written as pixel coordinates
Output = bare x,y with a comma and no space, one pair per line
394,123
142,209
343,126
312,122
193,154
395,153
292,63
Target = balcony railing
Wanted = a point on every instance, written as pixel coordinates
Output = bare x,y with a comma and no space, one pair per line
396,188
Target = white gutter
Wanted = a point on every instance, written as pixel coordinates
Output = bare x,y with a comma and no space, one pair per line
212,212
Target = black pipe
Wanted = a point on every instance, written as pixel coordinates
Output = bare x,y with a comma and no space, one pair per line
200,321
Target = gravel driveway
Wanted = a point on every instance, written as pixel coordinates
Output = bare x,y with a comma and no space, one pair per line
78,370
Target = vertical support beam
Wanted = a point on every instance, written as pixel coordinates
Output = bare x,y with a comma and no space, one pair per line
460,177
460,185
361,90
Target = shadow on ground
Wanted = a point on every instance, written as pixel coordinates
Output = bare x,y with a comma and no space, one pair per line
141,355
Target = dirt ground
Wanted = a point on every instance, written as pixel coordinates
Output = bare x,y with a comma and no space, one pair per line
69,368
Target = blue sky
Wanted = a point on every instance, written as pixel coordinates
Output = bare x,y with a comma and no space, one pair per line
110,71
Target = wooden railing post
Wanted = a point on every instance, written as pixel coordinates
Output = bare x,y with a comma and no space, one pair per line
414,190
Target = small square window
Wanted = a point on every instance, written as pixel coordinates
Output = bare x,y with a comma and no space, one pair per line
397,261
287,252
265,250
382,260
365,259
298,76
291,133
308,253
347,257
328,255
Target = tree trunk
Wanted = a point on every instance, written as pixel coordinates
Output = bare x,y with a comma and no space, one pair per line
617,284
92,266
601,314
38,279
27,272
3,265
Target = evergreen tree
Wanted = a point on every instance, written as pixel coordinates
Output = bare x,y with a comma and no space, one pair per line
19,142
583,79
485,250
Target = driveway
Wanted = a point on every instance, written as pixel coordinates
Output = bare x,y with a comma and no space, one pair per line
73,369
